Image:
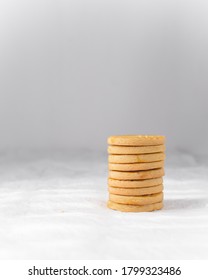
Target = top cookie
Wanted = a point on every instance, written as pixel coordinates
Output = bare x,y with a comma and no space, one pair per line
136,140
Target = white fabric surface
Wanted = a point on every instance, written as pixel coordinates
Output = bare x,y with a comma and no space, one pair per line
53,206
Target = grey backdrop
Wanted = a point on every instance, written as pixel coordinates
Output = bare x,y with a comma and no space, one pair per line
74,72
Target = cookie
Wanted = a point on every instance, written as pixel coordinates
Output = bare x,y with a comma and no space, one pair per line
136,200
134,208
134,192
136,140
139,175
134,184
136,158
135,166
127,150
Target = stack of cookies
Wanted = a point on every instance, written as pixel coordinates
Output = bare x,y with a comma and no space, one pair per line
136,168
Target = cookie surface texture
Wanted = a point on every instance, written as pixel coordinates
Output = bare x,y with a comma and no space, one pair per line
139,175
136,191
136,140
134,208
128,150
134,183
136,158
135,166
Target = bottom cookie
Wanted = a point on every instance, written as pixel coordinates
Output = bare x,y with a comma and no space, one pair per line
136,200
135,208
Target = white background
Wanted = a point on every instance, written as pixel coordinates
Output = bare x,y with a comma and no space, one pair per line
73,72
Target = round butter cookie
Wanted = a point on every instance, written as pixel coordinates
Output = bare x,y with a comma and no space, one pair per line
138,191
128,150
135,166
136,200
136,140
134,208
139,175
134,184
136,158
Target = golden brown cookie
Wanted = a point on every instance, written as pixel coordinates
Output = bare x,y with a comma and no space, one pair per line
134,184
135,166
136,140
139,175
136,200
134,208
128,150
136,158
136,192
